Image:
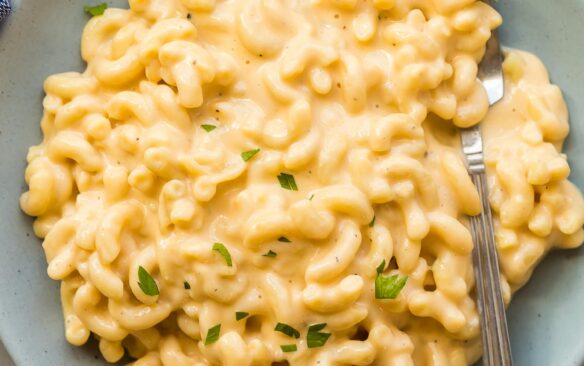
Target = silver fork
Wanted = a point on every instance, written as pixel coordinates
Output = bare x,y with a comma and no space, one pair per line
496,347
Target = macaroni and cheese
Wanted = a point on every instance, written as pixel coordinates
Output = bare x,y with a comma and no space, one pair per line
271,182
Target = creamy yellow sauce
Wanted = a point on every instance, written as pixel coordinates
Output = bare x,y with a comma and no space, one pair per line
141,166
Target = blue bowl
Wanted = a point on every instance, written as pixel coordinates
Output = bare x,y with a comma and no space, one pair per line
42,37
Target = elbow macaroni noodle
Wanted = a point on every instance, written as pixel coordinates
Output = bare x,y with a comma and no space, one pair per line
359,101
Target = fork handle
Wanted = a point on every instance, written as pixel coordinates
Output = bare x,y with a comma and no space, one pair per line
496,346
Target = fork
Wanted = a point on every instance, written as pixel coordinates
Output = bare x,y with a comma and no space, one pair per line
495,336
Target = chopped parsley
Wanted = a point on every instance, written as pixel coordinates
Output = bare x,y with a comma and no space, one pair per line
147,283
221,249
372,223
388,287
315,338
289,348
270,254
187,285
287,181
288,330
95,10
208,128
213,334
284,239
241,315
246,156
381,267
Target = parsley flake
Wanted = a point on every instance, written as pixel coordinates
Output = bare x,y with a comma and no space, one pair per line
270,254
389,287
289,348
147,283
187,285
315,338
246,156
372,223
95,10
317,327
381,267
284,239
288,330
213,334
287,181
221,249
208,128
241,315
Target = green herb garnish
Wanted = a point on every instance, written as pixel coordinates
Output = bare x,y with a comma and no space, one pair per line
95,10
147,283
388,287
372,223
270,254
213,334
381,267
221,249
287,181
289,348
249,154
284,239
315,338
208,128
288,330
241,315
187,285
